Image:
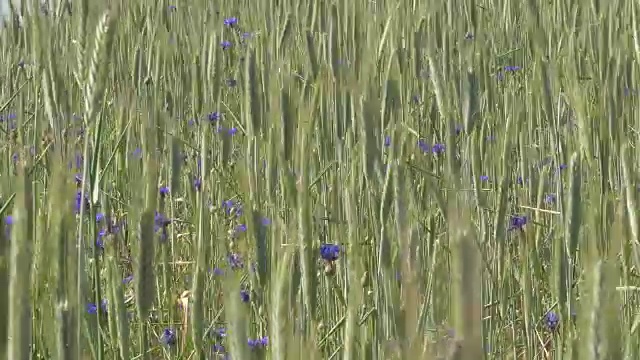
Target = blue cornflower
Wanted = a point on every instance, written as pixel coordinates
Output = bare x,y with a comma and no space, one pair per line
92,308
423,146
387,141
217,271
232,131
230,21
235,261
258,343
197,184
99,217
168,337
245,296
227,205
265,221
79,201
79,161
164,191
550,199
240,228
551,321
8,224
232,208
220,332
161,221
517,222
225,44
511,68
127,280
438,149
484,178
99,240
218,349
214,116
113,227
330,252
160,224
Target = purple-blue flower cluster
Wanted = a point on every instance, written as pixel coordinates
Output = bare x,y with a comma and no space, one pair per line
161,224
259,343
329,252
518,222
168,337
551,321
436,149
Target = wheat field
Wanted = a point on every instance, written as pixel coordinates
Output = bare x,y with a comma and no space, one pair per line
299,179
